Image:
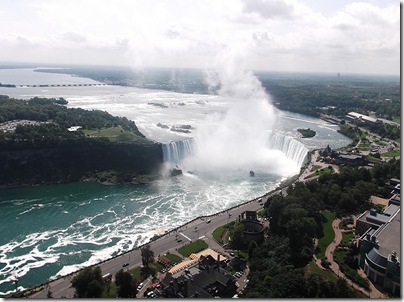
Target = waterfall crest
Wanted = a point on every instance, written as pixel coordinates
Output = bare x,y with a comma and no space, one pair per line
291,147
177,151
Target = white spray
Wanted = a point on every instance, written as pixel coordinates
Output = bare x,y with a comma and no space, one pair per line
236,140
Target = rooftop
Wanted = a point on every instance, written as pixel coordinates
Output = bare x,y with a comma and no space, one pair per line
389,237
376,217
391,210
362,117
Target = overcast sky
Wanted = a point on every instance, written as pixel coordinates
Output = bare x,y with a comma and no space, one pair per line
276,35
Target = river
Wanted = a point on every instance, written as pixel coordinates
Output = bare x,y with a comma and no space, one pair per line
53,230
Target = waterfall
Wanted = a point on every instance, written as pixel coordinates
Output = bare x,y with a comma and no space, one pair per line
292,148
175,152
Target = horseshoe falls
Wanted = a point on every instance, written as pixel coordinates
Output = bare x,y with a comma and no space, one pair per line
292,148
178,152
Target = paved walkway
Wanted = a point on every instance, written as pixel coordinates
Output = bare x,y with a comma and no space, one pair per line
329,253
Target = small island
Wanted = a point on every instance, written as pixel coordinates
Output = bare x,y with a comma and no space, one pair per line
307,133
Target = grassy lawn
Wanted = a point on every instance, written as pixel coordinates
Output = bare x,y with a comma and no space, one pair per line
261,212
347,237
114,134
315,168
141,273
216,234
321,172
110,291
314,269
328,236
244,255
173,258
158,266
136,272
394,153
372,158
352,274
364,146
193,247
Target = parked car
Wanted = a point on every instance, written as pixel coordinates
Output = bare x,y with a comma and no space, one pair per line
125,264
208,221
139,287
151,294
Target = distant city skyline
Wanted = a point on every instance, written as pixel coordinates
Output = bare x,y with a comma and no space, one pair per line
272,35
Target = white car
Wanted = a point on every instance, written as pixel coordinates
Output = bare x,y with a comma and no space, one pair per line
139,287
151,294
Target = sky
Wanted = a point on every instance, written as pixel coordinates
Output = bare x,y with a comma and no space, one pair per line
273,35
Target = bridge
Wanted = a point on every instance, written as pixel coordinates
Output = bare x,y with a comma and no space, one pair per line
62,85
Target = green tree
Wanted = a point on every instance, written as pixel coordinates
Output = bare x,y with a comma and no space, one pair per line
274,209
251,247
147,255
126,284
237,237
88,283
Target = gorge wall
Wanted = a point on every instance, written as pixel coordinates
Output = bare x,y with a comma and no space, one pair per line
31,166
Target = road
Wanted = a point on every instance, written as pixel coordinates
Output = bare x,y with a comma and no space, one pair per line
198,228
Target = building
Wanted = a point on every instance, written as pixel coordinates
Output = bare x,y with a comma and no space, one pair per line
379,253
394,187
351,159
74,128
362,118
373,220
205,279
395,199
380,243
253,228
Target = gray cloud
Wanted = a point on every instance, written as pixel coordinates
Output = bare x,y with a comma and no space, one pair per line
269,9
74,37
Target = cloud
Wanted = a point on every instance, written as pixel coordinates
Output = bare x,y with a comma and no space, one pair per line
265,34
74,37
271,9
